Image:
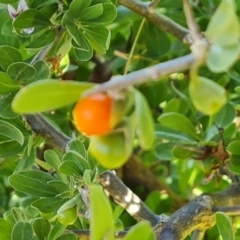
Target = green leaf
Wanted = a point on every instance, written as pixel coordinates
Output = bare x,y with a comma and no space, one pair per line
59,185
70,168
76,200
225,116
164,151
5,106
48,204
164,132
19,215
182,152
42,39
76,6
41,227
43,70
33,183
7,84
31,18
11,132
91,12
83,55
221,58
9,55
22,231
26,161
142,230
21,71
79,147
67,236
179,122
225,226
52,158
10,148
234,147
144,121
77,158
226,21
100,206
109,14
8,1
57,230
46,95
5,229
6,162
79,40
98,37
206,95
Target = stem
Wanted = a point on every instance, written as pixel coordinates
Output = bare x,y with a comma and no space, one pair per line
146,74
133,47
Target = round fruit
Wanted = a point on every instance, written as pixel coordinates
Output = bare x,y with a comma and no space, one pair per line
68,216
92,114
111,150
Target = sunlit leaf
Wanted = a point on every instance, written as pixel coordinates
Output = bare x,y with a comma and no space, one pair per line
225,226
221,58
46,95
206,95
100,206
142,230
144,121
226,21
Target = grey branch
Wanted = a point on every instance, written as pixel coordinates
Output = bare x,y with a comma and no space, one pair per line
46,130
199,214
150,73
127,199
166,24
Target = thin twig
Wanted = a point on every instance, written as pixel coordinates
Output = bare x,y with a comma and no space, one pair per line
133,47
192,25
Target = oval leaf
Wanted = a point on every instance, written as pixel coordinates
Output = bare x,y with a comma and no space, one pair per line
9,55
22,231
234,147
225,226
33,183
179,122
100,206
21,71
221,58
206,95
46,95
226,21
144,121
7,84
142,230
11,132
41,227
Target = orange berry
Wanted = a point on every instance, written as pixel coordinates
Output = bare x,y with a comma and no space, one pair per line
92,114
